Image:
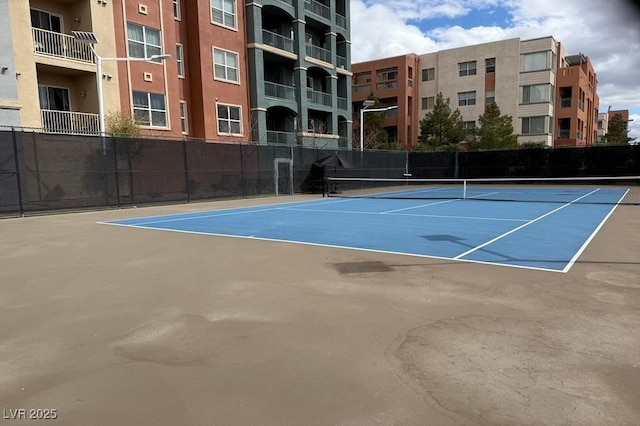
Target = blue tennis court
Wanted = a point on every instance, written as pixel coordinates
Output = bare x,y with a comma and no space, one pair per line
547,236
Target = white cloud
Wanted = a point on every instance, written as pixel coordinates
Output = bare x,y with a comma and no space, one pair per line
607,32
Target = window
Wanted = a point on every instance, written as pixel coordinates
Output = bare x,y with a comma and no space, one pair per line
176,9
535,61
362,78
184,125
428,74
533,125
490,65
427,103
467,68
466,98
469,126
54,98
489,97
225,65
46,21
229,122
223,12
388,74
180,59
535,93
149,109
143,41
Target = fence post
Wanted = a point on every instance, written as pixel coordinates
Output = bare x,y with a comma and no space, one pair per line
243,180
186,169
17,164
115,170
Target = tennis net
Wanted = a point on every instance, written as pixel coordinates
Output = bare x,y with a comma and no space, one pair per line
582,190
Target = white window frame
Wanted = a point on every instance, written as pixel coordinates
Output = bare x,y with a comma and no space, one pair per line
225,66
229,120
180,59
60,17
177,12
466,98
528,131
465,68
151,110
184,118
224,13
48,86
145,44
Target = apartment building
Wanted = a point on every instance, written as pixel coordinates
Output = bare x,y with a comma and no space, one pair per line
394,82
523,77
577,102
605,117
9,105
270,71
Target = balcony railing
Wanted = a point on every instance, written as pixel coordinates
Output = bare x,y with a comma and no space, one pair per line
277,40
563,133
342,103
317,8
281,138
319,98
61,46
319,53
341,62
71,123
280,91
341,21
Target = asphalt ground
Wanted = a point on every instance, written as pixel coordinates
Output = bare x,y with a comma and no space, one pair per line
106,325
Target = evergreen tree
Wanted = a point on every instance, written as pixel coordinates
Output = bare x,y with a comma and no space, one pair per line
617,133
495,131
441,127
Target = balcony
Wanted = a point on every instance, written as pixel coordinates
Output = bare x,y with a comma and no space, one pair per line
341,21
341,62
70,123
318,52
281,138
61,46
319,98
318,8
342,104
563,133
279,91
278,41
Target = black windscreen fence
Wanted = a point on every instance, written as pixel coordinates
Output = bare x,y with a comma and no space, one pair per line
42,172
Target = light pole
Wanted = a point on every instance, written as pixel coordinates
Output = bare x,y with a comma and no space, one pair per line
364,109
90,39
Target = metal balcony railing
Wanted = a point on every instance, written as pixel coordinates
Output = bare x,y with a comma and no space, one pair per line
279,91
341,21
319,52
563,133
342,103
278,41
61,46
71,123
341,62
317,8
319,98
281,138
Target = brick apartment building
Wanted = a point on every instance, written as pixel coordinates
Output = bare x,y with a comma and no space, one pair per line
270,71
551,100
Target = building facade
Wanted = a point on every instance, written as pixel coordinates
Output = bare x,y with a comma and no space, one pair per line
523,77
394,82
269,71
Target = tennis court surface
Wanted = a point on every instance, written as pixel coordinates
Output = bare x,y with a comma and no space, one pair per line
499,223
125,325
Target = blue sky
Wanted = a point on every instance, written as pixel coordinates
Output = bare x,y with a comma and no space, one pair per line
608,32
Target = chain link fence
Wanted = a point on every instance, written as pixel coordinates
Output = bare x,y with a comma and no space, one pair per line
41,173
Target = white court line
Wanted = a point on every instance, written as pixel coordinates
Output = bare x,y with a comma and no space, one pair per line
417,207
593,234
278,240
499,237
404,214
